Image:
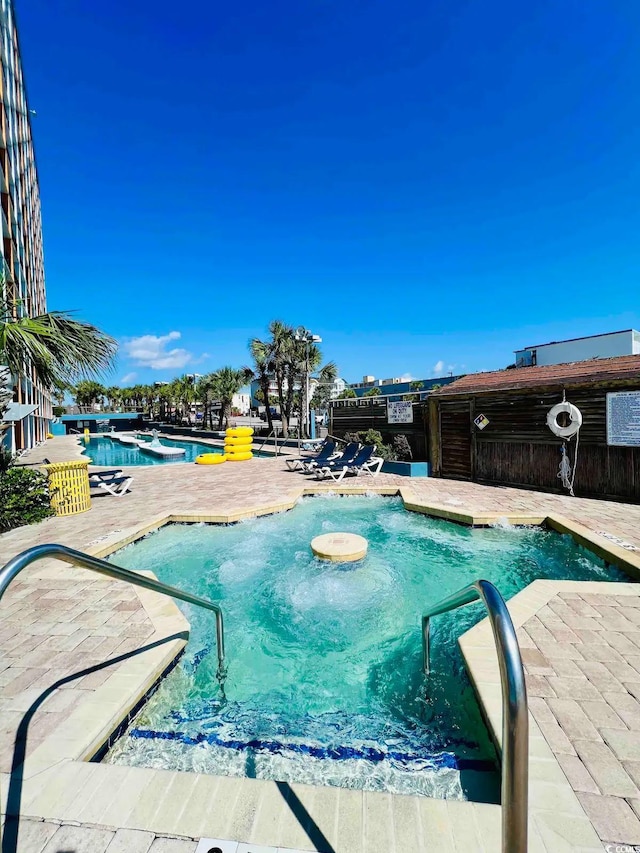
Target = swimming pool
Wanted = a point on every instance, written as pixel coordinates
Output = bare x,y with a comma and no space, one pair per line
324,678
106,452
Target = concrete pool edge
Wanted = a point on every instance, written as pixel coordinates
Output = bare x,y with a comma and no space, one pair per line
610,552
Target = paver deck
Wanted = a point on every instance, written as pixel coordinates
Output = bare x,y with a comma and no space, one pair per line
582,656
64,634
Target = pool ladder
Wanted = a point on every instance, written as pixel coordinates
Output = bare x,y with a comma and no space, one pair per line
515,714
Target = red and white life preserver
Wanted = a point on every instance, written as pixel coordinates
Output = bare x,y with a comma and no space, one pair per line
575,420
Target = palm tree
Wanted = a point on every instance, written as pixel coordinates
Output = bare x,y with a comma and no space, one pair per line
149,394
288,360
226,382
183,394
114,396
324,380
281,360
164,397
205,393
87,392
58,348
261,355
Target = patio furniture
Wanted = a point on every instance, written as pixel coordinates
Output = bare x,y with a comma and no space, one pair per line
103,476
325,453
346,457
362,463
117,487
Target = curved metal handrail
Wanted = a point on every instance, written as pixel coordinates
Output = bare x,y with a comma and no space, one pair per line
515,714
85,561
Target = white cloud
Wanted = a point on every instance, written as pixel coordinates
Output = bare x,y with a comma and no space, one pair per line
407,377
151,351
438,367
128,378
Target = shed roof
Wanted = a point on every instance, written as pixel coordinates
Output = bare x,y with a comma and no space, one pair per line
575,373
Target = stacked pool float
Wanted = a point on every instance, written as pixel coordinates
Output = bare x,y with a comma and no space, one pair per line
238,444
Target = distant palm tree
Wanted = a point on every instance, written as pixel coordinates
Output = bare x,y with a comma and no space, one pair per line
165,398
226,383
324,380
281,349
183,391
113,395
87,392
59,348
261,355
205,393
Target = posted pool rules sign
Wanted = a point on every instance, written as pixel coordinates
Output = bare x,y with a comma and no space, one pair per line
623,418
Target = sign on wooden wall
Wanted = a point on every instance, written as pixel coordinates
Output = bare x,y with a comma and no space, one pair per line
400,413
623,418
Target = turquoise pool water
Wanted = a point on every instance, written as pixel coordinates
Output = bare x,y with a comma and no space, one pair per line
324,660
105,451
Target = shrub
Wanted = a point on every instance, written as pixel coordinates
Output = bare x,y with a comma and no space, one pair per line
6,459
402,448
373,436
24,498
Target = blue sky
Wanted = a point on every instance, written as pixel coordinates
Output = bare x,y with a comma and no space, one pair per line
427,185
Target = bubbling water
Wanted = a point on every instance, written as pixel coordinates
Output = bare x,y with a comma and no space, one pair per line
325,679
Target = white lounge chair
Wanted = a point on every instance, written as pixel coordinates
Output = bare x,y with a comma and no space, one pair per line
117,487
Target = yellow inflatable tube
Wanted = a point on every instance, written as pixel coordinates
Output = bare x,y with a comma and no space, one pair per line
239,457
210,459
238,439
237,432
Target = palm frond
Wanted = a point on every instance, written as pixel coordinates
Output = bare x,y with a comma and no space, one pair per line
60,348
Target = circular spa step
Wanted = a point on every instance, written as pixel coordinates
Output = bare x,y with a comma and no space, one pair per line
339,547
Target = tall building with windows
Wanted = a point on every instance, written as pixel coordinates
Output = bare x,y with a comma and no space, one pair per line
22,265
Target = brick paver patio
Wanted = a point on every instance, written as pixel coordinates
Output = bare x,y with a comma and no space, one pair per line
582,656
581,652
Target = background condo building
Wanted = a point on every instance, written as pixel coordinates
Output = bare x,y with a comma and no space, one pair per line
22,266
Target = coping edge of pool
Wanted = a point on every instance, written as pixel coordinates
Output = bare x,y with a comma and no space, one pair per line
610,552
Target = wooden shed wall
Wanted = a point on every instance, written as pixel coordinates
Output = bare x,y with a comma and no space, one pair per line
517,447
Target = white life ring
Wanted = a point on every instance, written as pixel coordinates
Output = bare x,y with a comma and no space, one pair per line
575,418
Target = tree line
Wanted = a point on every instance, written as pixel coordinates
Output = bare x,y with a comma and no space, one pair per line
280,364
66,354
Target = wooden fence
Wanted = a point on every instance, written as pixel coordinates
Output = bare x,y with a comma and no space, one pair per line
360,415
517,447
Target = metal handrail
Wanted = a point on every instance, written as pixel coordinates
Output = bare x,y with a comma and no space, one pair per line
515,715
85,561
274,434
